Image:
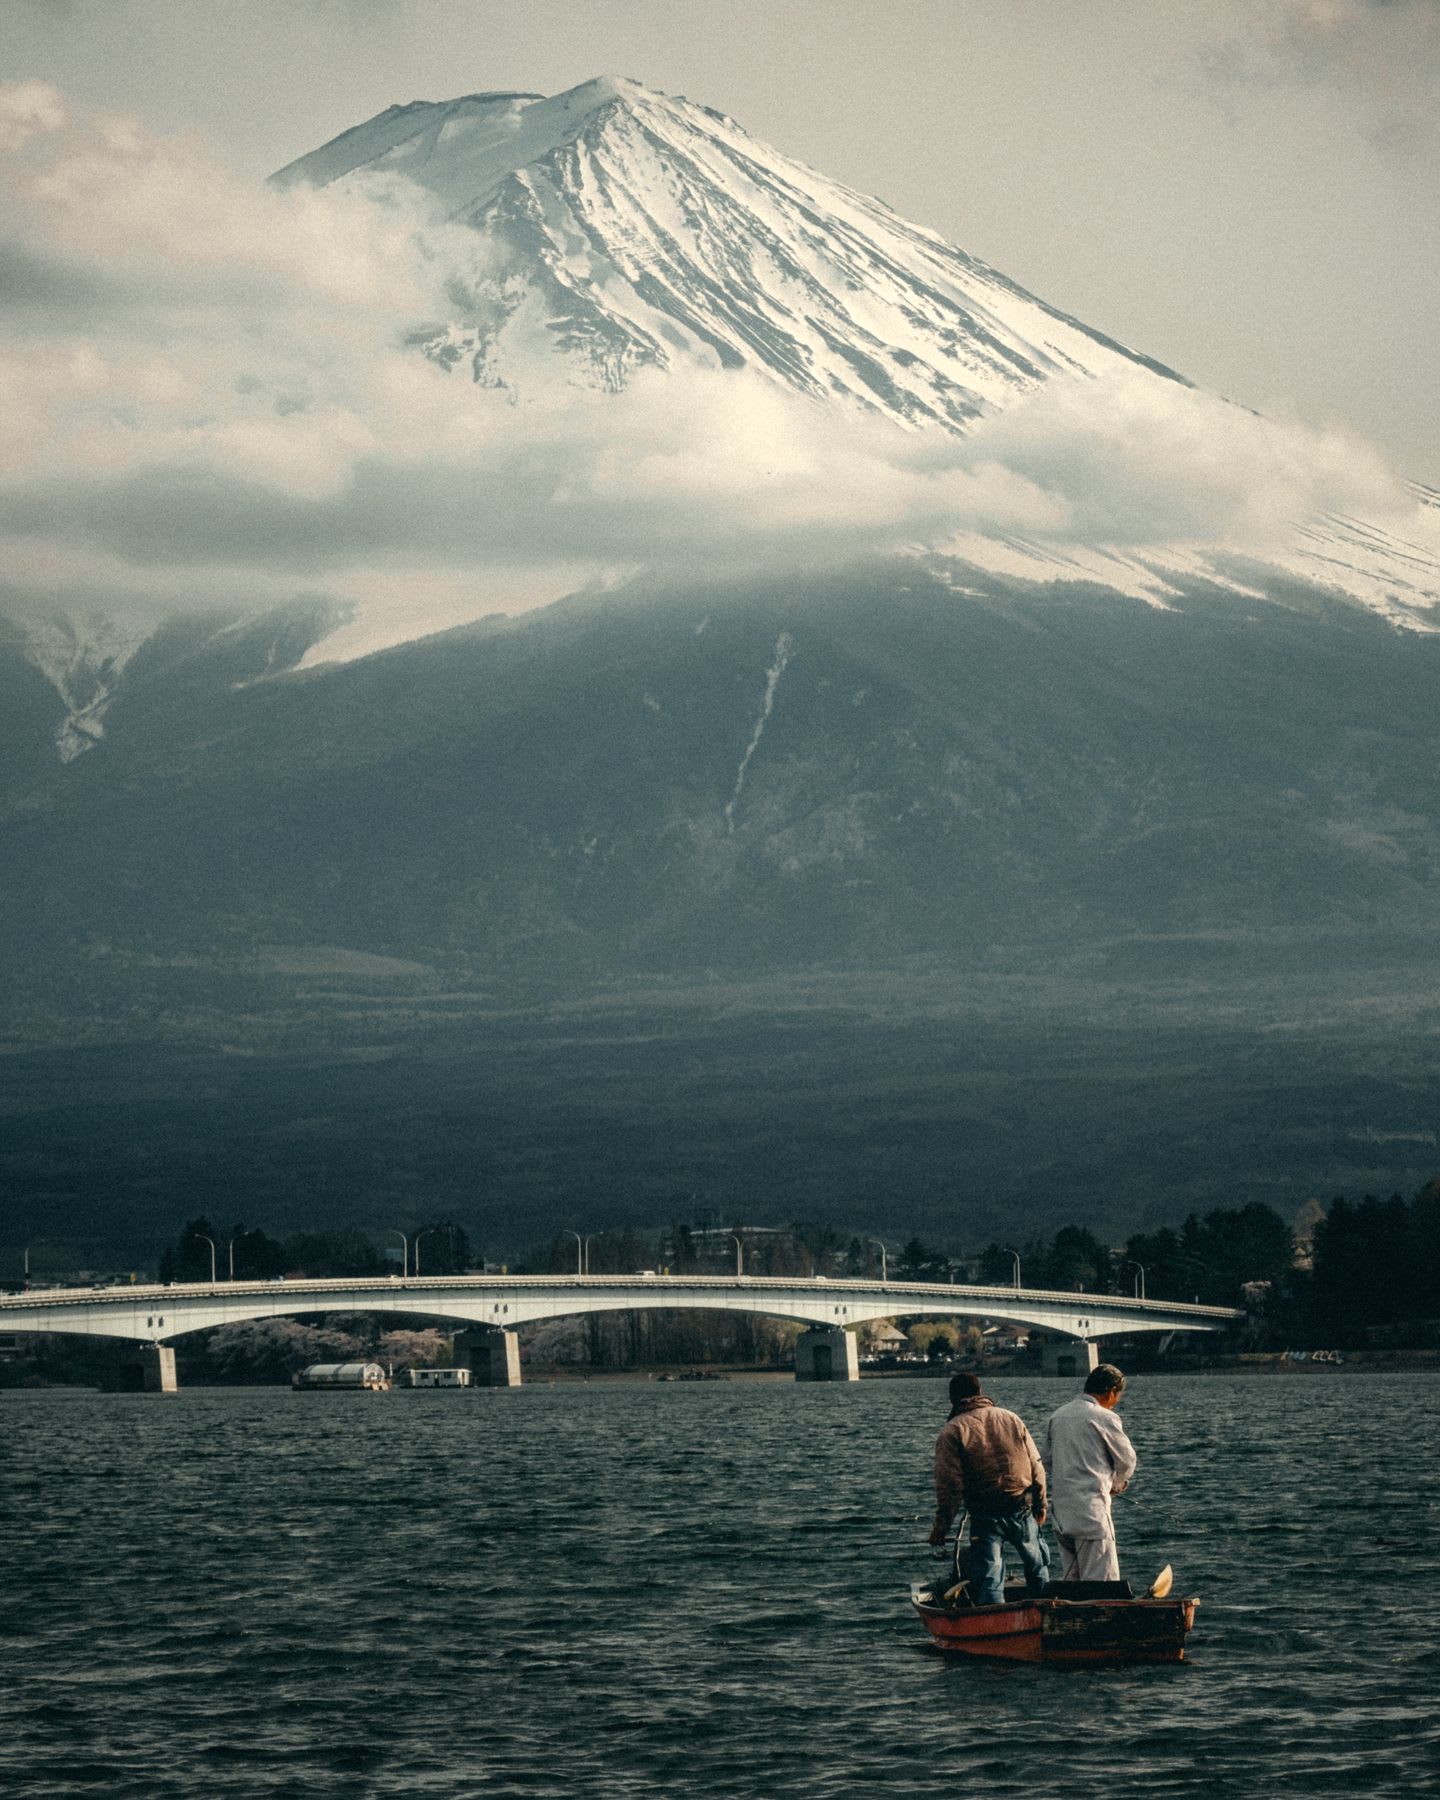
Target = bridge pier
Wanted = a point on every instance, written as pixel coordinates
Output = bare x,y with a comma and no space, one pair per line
824,1353
1068,1356
147,1369
492,1356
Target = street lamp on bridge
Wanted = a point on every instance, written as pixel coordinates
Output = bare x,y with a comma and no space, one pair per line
884,1267
739,1254
1130,1263
579,1251
1011,1251
404,1251
211,1242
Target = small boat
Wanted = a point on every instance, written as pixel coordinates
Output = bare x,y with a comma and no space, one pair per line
1071,1621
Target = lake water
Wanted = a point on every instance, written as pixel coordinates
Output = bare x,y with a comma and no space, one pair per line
673,1590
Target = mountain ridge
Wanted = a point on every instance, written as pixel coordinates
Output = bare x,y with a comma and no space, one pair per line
619,230
639,206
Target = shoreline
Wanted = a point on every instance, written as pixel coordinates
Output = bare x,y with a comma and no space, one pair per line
1269,1364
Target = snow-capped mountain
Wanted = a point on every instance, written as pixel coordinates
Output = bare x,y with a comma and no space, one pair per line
619,228
837,748
611,230
970,826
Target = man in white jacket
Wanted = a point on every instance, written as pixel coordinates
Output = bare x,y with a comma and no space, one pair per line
1087,1458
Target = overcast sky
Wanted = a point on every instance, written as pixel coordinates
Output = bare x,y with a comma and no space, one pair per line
1246,189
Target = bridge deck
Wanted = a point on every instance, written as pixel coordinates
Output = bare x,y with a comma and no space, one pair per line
155,1313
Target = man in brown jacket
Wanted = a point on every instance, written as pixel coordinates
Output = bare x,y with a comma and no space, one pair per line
986,1463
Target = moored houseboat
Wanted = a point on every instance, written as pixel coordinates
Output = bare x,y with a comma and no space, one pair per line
363,1376
436,1378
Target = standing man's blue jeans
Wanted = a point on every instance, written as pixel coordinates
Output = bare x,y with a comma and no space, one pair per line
990,1536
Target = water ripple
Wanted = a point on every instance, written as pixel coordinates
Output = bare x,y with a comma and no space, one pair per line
629,1590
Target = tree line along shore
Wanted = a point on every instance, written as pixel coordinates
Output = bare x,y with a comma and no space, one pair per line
1351,1277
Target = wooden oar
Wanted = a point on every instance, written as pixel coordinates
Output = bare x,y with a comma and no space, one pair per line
1161,1585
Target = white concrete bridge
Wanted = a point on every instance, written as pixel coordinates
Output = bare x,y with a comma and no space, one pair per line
493,1306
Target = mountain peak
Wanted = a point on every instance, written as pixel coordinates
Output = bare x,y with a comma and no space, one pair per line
624,228
603,88
461,149
617,230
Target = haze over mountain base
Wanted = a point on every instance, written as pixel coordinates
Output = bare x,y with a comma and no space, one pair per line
961,1110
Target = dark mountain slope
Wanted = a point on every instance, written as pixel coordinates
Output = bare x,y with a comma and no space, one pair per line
599,788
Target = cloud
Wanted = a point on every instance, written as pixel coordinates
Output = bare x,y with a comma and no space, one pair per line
717,468
211,390
28,108
1380,59
1130,462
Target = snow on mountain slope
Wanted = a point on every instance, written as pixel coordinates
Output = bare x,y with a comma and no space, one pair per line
83,658
1396,577
92,658
618,229
621,229
611,231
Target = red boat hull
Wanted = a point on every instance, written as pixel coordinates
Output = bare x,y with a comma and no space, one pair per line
1057,1630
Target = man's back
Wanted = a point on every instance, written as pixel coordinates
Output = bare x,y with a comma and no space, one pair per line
986,1460
986,1463
1087,1457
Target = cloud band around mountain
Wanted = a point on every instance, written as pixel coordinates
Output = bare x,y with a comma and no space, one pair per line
212,391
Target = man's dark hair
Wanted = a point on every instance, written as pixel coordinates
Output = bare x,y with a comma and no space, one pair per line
963,1387
1106,1379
